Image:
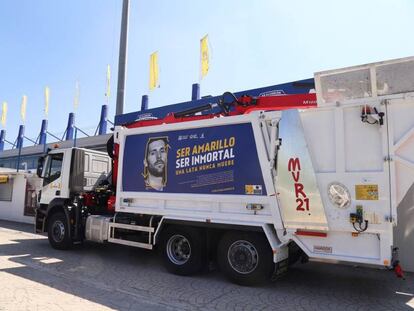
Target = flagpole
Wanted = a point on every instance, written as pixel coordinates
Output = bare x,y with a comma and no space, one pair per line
122,62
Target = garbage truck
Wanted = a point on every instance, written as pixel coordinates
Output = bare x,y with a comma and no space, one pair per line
254,186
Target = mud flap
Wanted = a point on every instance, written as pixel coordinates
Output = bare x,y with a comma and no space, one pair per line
280,269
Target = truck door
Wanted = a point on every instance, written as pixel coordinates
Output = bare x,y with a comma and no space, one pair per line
52,178
401,156
298,193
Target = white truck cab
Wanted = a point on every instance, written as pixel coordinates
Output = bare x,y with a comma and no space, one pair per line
66,174
70,170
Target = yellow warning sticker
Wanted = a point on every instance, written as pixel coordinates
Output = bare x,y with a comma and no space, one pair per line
4,179
366,192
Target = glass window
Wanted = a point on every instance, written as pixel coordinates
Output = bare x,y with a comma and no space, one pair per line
346,85
53,168
395,78
86,162
6,190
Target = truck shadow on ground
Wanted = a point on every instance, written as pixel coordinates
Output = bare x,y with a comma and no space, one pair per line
127,278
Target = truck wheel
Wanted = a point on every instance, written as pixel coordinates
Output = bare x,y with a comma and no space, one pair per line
245,257
58,232
183,250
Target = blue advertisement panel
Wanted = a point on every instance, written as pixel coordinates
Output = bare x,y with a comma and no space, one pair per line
219,159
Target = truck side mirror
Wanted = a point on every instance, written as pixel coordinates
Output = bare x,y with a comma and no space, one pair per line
39,170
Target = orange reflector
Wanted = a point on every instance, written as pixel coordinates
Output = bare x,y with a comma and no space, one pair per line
311,233
355,234
386,262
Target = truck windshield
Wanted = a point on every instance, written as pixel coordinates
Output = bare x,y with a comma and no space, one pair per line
53,168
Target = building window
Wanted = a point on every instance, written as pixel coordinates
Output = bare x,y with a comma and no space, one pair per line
6,190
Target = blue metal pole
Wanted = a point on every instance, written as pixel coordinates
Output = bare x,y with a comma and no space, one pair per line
76,135
104,120
20,137
43,131
18,159
2,139
70,127
144,102
20,144
195,92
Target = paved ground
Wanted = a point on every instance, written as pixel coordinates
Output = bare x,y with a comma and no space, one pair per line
33,276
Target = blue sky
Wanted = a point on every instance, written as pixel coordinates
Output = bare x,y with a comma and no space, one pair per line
253,44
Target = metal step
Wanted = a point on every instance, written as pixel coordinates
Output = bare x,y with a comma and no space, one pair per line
130,243
112,239
131,227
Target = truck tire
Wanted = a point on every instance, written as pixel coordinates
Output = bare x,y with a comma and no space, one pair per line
183,250
245,257
58,231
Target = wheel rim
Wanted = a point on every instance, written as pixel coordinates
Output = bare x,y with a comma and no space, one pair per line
178,249
243,257
58,231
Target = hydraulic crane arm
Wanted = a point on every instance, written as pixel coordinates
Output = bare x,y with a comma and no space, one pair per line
237,106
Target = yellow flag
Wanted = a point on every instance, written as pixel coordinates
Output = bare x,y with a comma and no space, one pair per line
23,108
4,114
108,83
204,56
153,81
47,94
77,94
